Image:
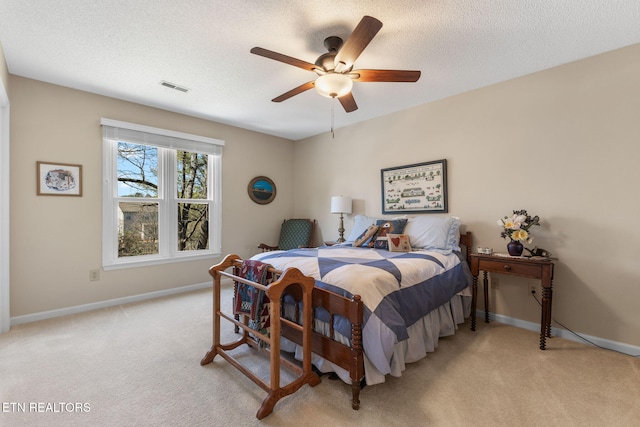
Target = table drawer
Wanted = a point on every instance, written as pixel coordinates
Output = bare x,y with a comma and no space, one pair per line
510,267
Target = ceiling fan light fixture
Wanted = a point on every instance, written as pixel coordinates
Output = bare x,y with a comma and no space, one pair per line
335,67
333,85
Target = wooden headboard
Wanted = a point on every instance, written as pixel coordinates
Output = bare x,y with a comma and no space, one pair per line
467,241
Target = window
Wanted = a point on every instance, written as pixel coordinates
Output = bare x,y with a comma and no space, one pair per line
161,195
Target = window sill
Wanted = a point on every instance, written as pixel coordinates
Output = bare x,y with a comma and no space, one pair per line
158,261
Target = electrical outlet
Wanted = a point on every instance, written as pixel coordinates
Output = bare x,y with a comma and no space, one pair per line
532,288
94,275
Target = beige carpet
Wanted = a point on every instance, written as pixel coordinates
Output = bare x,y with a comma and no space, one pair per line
138,365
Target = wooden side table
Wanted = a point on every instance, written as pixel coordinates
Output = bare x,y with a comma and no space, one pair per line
541,269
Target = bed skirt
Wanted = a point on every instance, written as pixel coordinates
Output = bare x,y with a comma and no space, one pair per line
423,339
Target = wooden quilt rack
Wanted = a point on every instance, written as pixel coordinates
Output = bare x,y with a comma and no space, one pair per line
290,277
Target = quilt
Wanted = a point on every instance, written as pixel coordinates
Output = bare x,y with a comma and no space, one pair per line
397,288
251,301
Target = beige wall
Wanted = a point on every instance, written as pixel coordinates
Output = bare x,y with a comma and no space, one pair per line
561,143
55,241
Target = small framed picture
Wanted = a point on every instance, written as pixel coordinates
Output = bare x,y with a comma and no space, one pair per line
59,179
262,190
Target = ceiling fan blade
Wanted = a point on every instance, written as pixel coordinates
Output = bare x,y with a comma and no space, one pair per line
357,41
284,58
348,102
295,91
384,75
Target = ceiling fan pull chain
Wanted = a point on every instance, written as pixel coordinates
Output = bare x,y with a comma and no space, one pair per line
333,103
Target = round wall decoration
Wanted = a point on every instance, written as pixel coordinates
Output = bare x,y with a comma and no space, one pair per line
262,190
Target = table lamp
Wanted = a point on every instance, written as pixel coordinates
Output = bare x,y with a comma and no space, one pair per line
341,205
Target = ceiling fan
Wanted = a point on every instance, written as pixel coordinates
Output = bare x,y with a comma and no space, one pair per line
335,68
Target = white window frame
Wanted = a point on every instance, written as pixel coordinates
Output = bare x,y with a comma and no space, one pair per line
167,142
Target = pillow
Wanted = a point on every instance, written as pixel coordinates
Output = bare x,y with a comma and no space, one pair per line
360,225
454,235
441,234
399,242
394,226
366,237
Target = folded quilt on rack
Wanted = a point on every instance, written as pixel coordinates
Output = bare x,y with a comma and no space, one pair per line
252,302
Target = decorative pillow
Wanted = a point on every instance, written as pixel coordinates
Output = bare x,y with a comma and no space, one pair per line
399,242
360,225
440,234
367,236
394,226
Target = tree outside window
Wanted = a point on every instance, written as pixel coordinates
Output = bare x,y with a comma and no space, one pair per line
193,217
138,215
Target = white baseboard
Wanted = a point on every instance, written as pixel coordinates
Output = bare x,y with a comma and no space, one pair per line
629,349
104,304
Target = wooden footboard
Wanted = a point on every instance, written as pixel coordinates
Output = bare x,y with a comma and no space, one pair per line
351,357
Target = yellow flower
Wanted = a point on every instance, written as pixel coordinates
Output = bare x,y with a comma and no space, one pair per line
508,224
521,235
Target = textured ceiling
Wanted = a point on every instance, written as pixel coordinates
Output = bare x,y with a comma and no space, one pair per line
125,48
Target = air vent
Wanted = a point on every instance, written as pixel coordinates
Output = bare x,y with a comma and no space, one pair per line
174,86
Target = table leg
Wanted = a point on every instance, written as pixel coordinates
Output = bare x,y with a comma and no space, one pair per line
545,321
486,298
549,315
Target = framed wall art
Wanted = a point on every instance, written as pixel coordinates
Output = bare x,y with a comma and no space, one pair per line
262,190
59,179
421,187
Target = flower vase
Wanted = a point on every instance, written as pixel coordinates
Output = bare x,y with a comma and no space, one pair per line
515,248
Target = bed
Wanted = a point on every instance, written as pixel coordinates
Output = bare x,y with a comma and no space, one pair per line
375,310
374,303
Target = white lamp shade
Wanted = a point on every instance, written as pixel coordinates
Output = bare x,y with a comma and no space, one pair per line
333,85
341,204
